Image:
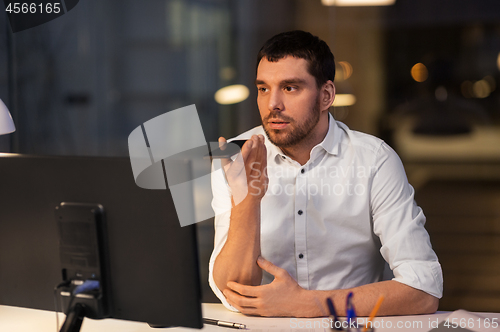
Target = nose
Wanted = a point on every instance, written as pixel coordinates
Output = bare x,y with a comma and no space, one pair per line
275,101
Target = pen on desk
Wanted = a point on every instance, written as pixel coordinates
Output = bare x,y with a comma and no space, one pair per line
333,313
350,312
223,324
374,312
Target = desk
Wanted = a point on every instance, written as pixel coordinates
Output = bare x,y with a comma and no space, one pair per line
14,319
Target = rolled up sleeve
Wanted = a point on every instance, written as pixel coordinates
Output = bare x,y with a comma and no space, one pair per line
399,223
221,204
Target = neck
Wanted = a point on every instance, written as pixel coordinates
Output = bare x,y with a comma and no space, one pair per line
301,152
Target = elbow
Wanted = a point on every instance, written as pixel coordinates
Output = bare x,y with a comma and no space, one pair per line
220,282
430,304
423,303
244,276
434,304
220,278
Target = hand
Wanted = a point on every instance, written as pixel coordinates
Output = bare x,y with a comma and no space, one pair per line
282,297
247,174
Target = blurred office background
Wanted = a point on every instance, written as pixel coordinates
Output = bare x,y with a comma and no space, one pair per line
421,74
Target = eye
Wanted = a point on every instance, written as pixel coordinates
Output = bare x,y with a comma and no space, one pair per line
290,88
262,89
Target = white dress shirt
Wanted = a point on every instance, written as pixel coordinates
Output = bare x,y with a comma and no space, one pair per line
332,222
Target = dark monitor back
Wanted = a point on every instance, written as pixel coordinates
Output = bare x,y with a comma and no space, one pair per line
153,261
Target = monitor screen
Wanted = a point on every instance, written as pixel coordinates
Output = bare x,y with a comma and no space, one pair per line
153,262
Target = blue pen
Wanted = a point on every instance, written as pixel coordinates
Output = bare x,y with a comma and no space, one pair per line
333,313
350,312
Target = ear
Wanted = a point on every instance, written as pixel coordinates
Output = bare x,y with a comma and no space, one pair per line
327,95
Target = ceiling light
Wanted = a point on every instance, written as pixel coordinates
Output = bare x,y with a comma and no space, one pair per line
232,94
344,99
346,3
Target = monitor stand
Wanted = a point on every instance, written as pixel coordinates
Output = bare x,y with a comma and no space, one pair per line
74,319
159,326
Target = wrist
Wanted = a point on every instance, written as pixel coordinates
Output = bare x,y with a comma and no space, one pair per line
253,199
248,200
316,302
246,213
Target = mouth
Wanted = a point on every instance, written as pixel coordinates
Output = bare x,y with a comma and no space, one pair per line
277,124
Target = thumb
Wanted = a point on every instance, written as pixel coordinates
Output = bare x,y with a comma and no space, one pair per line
222,143
222,147
269,267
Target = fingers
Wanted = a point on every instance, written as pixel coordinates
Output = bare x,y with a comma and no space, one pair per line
253,149
239,299
261,150
257,154
263,159
247,169
250,311
249,291
270,267
246,149
244,304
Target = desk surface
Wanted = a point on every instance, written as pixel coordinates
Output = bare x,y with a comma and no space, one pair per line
14,319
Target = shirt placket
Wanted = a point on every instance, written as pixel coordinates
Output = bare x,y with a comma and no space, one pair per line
300,228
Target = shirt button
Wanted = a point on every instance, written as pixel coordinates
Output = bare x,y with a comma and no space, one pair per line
300,212
302,171
301,256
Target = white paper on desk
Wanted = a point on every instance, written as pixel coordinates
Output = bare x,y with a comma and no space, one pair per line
466,321
291,330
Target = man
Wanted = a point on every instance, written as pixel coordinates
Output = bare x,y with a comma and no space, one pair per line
314,205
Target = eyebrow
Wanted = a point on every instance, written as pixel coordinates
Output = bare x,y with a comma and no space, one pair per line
286,81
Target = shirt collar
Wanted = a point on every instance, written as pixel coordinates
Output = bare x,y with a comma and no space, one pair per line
330,143
332,138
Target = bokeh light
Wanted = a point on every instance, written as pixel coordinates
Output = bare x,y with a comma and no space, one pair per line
419,72
344,99
344,71
232,94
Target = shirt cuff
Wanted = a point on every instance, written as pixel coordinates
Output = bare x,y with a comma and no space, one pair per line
214,287
423,275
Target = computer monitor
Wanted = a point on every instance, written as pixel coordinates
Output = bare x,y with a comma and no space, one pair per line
153,263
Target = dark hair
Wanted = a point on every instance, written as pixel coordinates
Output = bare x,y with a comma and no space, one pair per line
303,45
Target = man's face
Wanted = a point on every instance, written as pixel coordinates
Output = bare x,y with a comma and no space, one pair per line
288,100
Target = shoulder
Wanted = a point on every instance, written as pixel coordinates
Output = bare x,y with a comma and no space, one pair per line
360,141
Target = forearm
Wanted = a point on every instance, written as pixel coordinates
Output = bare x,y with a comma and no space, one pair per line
400,299
237,259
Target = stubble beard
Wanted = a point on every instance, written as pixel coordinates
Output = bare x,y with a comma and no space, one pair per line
294,135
